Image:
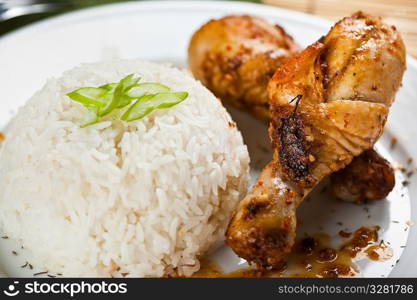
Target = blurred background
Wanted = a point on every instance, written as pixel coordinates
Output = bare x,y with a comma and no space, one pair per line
401,13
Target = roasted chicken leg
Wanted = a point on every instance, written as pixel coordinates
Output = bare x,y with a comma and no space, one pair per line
236,56
328,104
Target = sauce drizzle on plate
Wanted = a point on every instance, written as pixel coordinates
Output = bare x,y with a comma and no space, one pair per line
313,256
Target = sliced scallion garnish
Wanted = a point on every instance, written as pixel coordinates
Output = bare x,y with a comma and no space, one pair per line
148,103
89,96
114,97
118,96
146,88
91,117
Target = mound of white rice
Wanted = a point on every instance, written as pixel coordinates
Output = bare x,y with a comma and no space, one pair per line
139,199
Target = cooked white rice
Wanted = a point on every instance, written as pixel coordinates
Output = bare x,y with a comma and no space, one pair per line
143,198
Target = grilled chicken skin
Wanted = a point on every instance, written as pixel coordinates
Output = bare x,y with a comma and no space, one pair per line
318,125
367,177
236,56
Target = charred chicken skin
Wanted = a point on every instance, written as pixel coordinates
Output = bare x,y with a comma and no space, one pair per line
328,105
236,56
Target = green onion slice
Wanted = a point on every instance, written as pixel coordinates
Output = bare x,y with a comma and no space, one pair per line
91,117
147,88
112,97
117,98
89,96
109,87
142,89
148,103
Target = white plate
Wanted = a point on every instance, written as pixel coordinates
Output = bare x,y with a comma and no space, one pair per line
160,31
